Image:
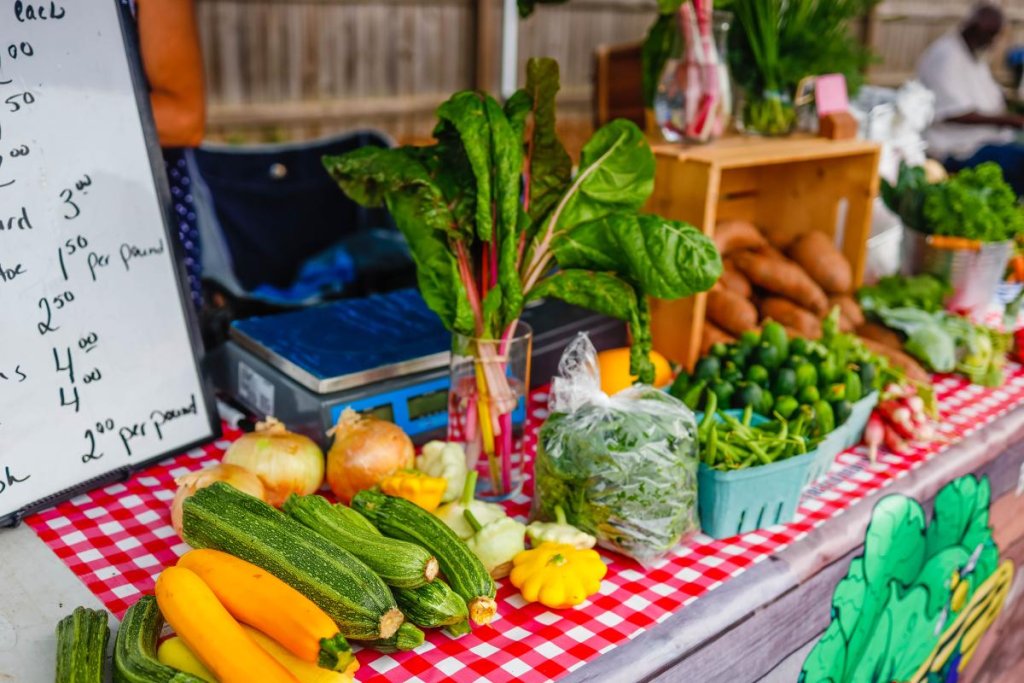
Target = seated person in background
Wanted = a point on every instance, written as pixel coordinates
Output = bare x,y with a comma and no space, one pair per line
972,124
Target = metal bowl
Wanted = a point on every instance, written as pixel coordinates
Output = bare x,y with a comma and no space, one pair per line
974,274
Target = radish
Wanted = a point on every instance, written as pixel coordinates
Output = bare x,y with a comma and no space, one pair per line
893,441
899,418
873,435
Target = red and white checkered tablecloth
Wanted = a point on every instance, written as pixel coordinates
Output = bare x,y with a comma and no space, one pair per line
117,539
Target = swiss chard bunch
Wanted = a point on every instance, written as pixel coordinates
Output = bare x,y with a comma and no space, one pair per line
976,203
494,217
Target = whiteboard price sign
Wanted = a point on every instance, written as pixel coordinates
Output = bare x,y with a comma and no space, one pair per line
99,369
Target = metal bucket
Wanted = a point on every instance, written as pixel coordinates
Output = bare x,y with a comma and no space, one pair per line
974,274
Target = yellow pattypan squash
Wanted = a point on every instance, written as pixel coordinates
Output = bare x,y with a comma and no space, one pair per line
416,487
557,575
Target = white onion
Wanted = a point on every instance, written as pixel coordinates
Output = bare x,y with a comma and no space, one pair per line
239,477
286,462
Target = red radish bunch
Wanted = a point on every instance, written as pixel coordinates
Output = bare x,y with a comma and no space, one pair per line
899,420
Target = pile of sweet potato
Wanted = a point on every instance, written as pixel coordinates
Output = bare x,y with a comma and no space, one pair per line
795,284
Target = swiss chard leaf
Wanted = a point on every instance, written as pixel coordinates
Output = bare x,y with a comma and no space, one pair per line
666,259
466,112
608,295
507,156
372,176
616,175
548,169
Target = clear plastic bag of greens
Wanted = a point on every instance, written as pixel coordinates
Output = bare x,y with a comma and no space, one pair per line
622,467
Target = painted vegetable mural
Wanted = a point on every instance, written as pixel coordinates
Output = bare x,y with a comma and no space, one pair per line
495,218
914,606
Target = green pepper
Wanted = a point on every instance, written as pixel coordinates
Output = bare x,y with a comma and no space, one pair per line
841,410
693,394
836,392
809,395
749,394
868,377
824,418
758,374
707,368
795,361
798,346
680,385
775,335
854,390
785,381
769,356
785,406
750,339
764,406
806,376
723,391
731,373
718,350
828,370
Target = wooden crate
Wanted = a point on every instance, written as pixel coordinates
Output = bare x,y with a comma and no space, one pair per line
786,186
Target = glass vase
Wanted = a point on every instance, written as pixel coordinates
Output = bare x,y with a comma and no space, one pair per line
770,113
487,407
693,102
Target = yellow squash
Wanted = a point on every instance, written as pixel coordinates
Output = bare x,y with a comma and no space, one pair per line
256,597
195,614
557,575
180,657
175,653
416,487
302,670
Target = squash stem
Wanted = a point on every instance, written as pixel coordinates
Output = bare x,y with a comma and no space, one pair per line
430,571
469,488
335,654
559,514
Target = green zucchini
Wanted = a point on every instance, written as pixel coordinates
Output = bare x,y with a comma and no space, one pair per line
458,629
432,605
82,646
399,563
407,637
135,648
398,518
226,519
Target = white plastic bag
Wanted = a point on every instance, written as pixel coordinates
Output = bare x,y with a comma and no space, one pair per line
622,467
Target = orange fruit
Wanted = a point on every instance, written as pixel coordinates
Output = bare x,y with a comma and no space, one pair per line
614,367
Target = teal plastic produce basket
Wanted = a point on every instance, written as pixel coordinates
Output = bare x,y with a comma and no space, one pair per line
846,435
739,501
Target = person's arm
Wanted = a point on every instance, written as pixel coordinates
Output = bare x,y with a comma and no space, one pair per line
169,42
977,119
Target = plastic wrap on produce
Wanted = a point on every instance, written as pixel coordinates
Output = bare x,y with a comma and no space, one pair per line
622,467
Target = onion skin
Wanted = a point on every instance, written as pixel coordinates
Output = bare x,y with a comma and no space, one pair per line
365,451
239,477
286,462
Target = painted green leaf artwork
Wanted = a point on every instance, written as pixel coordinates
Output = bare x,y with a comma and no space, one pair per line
914,605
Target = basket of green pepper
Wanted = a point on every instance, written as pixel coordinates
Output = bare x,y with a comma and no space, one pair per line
752,469
834,380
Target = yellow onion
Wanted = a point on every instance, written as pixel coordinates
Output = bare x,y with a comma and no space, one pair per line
239,477
286,462
365,451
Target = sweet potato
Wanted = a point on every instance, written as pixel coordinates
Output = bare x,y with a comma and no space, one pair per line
880,334
712,335
733,236
783,278
733,280
730,311
898,359
790,315
817,255
848,308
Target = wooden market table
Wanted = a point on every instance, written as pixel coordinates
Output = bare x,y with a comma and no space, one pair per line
755,623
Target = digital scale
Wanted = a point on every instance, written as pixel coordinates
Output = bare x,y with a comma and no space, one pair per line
386,355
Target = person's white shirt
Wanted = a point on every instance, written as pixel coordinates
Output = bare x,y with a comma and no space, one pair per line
962,83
